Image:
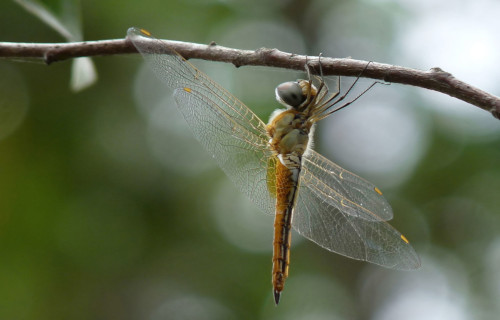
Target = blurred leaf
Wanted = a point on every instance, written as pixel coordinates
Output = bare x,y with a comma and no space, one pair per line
68,24
83,74
40,11
71,18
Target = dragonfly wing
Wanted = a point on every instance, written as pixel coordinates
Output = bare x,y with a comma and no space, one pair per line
177,73
359,197
228,130
241,156
326,223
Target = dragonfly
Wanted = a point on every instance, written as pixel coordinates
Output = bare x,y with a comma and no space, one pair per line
275,167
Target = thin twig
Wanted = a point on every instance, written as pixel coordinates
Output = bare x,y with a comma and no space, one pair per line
433,79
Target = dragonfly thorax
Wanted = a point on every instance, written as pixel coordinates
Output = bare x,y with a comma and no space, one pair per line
289,129
289,133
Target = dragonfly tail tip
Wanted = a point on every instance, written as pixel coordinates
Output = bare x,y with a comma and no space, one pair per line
277,295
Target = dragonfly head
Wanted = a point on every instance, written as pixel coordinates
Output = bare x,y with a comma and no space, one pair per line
295,94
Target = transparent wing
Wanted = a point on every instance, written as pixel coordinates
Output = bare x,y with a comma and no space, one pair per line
327,218
228,130
336,209
359,197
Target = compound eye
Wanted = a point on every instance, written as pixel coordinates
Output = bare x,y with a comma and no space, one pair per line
290,93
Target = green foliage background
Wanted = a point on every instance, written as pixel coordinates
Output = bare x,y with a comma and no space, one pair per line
93,226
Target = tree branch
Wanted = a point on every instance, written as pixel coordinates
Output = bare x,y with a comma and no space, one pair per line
433,79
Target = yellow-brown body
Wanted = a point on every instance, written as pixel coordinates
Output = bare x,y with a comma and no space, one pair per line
289,132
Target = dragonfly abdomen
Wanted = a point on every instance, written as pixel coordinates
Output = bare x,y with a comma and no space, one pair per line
289,133
287,181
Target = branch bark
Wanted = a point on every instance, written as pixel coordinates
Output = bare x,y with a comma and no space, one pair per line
433,79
